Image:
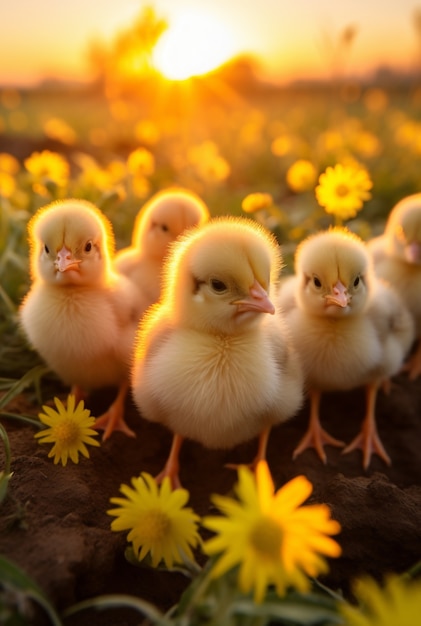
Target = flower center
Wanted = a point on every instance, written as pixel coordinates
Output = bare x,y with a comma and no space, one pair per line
266,537
342,190
155,525
67,432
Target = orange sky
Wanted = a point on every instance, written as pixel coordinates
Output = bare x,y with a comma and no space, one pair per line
50,38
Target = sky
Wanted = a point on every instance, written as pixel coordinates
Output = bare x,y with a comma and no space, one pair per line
50,38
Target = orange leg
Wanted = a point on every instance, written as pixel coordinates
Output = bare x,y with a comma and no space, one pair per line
78,393
261,452
413,364
172,466
113,418
316,437
368,439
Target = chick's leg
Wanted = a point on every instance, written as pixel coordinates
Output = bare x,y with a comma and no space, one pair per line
316,437
368,439
413,364
172,466
261,451
78,393
113,418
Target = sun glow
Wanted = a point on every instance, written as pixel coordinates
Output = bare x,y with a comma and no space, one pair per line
194,44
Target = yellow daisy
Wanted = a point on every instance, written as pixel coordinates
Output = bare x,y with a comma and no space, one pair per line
256,202
141,162
157,519
301,176
70,430
398,603
270,535
47,166
343,189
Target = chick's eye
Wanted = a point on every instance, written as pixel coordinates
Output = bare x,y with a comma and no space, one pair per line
217,285
164,228
357,281
317,282
88,246
46,248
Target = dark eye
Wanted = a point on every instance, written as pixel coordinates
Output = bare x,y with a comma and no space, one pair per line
217,285
46,249
357,281
317,282
88,246
164,228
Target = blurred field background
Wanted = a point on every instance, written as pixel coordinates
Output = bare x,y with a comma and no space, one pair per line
225,134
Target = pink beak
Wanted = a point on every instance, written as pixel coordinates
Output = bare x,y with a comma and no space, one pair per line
338,296
257,300
413,253
65,261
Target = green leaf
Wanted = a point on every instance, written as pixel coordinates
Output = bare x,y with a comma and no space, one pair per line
27,379
113,601
297,611
4,484
12,577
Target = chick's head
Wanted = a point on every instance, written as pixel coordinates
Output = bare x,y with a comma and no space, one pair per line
71,243
218,277
334,273
403,229
162,219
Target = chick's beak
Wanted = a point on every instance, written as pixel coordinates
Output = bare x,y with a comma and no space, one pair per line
257,300
338,295
413,252
65,261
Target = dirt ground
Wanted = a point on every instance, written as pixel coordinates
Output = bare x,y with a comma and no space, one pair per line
54,523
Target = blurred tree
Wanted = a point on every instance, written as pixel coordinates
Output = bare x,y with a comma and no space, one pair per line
126,63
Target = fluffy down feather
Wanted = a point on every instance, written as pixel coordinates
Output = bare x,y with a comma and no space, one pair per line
79,314
349,328
163,218
212,362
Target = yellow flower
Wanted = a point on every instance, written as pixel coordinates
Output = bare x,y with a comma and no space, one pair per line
343,189
141,163
398,603
70,430
47,166
56,128
208,163
8,163
270,535
159,523
301,176
256,202
7,184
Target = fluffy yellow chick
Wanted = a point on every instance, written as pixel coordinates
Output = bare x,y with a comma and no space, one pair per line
78,314
397,259
350,330
162,219
212,361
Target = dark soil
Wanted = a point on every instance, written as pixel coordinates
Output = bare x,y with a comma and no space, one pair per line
54,524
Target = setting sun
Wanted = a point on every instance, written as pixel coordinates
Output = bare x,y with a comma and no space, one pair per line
194,44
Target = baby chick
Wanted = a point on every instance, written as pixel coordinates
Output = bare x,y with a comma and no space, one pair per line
349,328
212,361
78,314
397,259
162,219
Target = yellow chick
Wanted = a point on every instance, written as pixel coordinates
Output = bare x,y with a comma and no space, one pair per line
350,330
212,361
78,314
163,218
397,259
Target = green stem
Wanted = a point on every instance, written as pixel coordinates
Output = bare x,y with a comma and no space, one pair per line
116,601
22,418
7,452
